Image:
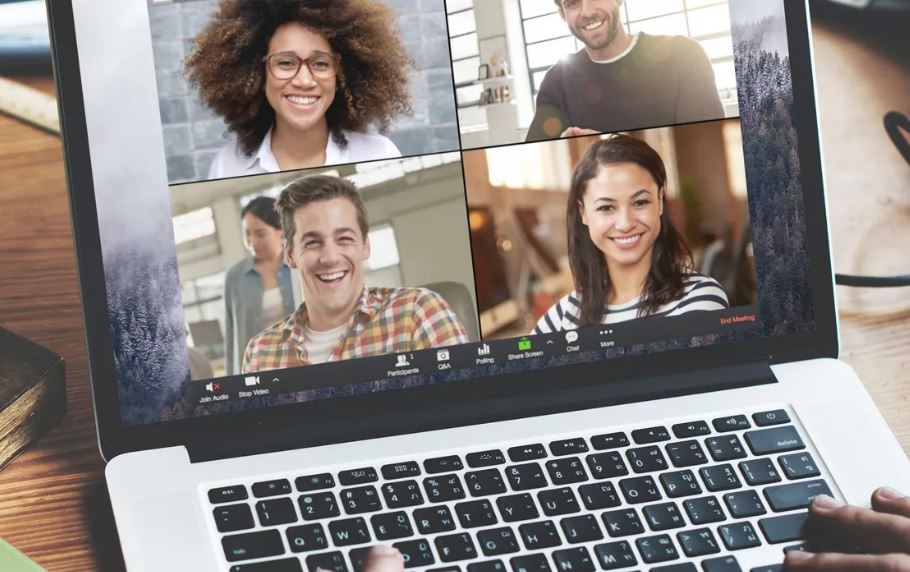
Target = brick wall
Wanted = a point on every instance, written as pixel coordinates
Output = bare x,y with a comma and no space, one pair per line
193,134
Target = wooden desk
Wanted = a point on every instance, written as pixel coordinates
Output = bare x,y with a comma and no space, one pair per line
53,504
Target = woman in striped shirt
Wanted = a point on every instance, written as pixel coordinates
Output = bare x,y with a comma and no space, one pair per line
628,260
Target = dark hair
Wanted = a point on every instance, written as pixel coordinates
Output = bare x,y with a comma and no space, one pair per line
318,188
671,260
227,66
263,208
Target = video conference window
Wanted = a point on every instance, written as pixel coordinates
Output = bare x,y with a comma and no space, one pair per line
530,70
651,223
360,260
248,87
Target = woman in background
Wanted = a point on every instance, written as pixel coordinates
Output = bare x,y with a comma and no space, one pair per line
258,290
628,260
299,82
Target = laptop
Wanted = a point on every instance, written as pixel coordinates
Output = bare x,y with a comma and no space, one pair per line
468,411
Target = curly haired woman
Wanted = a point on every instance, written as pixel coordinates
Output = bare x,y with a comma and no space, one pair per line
299,82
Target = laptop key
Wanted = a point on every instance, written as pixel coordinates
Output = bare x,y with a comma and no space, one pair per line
317,482
331,561
613,555
738,536
743,504
443,464
656,549
538,535
609,441
650,435
485,483
698,542
774,440
704,510
599,496
359,500
566,471
769,568
271,488
623,522
306,538
798,466
795,495
517,507
530,563
582,528
358,476
526,477
416,553
607,465
573,560
720,478
475,513
283,565
691,429
487,566
402,494
680,484
249,545
273,512
663,516
759,471
767,418
684,567
349,531
233,517
555,502
228,494
455,547
443,488
646,459
722,564
317,506
638,490
568,447
527,453
497,541
725,448
396,471
786,528
686,454
434,519
731,423
485,459
391,525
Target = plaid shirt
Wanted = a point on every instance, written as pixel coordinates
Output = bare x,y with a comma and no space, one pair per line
386,321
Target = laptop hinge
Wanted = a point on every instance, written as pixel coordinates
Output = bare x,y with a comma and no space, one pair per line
505,406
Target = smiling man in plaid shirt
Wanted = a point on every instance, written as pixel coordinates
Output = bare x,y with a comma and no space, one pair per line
326,228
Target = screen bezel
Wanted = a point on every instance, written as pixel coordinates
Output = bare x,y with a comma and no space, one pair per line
434,406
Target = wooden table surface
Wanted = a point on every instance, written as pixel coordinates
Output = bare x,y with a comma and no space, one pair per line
53,503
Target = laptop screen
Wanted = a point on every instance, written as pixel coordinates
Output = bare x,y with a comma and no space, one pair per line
319,199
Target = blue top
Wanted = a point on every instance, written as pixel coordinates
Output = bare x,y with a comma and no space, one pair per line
243,308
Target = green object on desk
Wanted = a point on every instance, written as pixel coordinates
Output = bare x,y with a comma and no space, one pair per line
11,560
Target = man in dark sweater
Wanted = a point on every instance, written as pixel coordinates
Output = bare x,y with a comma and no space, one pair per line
620,82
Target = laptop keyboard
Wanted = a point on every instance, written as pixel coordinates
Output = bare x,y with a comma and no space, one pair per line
677,497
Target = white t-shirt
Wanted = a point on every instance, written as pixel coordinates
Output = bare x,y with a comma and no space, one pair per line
319,344
232,162
272,307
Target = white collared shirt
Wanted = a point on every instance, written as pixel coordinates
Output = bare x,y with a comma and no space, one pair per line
231,161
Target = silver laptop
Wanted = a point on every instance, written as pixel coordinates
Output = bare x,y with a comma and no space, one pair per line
507,285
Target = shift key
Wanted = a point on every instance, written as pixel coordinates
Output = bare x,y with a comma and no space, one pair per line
795,495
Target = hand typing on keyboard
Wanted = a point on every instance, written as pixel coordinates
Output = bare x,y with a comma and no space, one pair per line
382,558
880,535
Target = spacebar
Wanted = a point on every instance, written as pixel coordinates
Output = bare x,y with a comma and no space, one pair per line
286,565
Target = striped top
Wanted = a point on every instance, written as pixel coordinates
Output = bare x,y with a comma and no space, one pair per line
702,293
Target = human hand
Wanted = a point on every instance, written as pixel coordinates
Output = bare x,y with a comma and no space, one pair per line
382,558
578,132
881,534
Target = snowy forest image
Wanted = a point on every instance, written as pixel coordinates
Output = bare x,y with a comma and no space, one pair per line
772,166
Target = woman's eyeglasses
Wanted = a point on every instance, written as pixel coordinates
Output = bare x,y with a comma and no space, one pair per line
286,65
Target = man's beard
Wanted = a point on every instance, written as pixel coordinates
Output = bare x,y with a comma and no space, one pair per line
615,23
